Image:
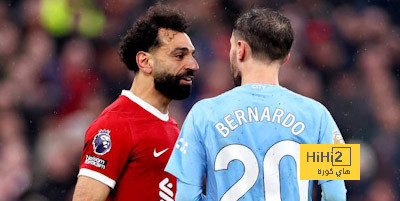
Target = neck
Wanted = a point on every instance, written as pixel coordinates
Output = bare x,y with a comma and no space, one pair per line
261,72
143,87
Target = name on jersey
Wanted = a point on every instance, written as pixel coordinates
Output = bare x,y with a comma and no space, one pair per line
96,161
254,114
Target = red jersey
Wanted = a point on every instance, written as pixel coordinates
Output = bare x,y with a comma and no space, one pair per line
127,148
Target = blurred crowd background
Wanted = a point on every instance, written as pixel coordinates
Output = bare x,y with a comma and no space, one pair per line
59,68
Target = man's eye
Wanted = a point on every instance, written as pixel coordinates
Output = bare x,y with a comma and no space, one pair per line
179,56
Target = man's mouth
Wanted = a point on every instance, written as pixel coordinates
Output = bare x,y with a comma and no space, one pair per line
187,79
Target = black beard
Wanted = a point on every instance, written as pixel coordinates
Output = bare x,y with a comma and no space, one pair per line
237,79
169,85
236,74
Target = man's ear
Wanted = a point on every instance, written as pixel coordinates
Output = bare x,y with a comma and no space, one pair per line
286,59
243,50
144,61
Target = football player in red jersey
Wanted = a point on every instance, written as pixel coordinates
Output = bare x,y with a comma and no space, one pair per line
127,147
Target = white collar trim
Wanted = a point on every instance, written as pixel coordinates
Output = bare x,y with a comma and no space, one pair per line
154,111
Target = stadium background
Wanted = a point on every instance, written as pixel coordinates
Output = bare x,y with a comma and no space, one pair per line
59,68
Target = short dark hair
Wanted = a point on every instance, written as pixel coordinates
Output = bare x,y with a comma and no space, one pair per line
142,36
268,32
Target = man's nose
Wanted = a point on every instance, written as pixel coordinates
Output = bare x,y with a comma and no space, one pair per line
193,65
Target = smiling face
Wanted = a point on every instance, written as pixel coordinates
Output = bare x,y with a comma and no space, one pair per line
174,64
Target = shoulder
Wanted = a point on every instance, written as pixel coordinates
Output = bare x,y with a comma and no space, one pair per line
114,114
109,120
109,128
214,102
306,102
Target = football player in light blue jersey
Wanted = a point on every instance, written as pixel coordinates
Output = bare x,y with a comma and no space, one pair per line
247,140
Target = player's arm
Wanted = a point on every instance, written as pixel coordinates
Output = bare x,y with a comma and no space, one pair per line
88,189
334,190
188,160
188,192
105,153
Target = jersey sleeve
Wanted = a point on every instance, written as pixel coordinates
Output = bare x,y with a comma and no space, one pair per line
188,159
333,191
188,192
329,132
106,150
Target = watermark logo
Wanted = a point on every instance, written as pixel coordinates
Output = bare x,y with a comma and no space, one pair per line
330,162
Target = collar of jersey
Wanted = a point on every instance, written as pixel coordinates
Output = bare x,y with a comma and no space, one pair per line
145,105
264,86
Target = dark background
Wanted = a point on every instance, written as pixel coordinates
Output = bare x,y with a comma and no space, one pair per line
59,68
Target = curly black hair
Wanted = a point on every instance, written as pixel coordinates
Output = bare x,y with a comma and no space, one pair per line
142,36
268,32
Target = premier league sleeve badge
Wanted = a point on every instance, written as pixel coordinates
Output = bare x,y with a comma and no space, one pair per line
102,142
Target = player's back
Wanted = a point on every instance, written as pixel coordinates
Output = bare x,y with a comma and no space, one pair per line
252,139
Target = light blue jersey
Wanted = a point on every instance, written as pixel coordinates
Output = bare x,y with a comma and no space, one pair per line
247,143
